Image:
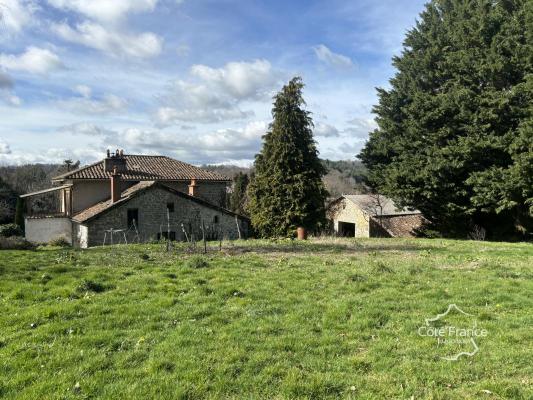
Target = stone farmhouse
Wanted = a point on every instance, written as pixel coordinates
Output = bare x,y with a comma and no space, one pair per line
133,197
372,216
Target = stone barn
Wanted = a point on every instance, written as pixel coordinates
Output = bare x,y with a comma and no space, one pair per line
372,216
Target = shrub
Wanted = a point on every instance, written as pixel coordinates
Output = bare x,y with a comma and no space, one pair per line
10,230
91,286
197,262
59,242
15,243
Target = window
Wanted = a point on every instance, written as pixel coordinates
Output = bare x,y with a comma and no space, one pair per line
164,235
133,217
215,219
170,207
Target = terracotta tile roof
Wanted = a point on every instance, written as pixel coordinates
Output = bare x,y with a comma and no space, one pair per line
401,225
133,191
146,168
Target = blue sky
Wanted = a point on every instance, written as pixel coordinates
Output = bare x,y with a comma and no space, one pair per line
192,79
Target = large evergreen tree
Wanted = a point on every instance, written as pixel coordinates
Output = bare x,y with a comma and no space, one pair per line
455,130
238,199
287,189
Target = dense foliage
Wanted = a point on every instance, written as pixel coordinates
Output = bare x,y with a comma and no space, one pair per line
9,230
8,199
455,130
19,179
238,199
287,190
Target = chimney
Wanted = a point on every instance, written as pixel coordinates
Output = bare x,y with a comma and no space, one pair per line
115,186
192,188
115,161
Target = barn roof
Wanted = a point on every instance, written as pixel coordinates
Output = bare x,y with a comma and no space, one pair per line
378,205
146,168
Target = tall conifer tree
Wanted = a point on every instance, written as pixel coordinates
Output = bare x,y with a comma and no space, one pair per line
286,190
237,199
455,130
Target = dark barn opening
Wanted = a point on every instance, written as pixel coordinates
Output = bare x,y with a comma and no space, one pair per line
346,229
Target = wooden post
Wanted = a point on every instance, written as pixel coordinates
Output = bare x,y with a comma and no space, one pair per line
238,227
203,237
168,230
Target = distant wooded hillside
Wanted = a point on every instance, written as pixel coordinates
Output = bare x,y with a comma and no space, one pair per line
343,177
17,180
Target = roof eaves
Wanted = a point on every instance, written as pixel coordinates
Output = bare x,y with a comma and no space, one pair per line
66,174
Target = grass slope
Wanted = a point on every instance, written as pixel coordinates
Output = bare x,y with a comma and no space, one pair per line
264,320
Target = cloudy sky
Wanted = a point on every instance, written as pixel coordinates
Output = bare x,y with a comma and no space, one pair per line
192,79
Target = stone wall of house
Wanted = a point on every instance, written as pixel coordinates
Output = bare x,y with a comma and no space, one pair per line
152,219
346,211
212,192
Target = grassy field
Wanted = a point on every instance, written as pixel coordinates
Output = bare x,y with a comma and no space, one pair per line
276,320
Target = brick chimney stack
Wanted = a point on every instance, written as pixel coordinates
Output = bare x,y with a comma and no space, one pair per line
193,188
115,160
115,186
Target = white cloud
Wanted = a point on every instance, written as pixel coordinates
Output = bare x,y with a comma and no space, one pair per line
111,41
34,60
4,147
88,129
247,138
83,90
166,116
16,14
105,10
85,104
224,140
240,79
216,94
361,127
51,155
220,145
325,55
325,130
11,99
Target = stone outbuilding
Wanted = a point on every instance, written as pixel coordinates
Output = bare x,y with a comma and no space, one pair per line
372,216
126,198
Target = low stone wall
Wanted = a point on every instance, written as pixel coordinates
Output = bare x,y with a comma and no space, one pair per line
44,230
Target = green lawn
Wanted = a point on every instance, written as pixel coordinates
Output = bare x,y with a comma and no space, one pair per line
264,320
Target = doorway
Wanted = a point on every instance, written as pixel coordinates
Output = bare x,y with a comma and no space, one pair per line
346,229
